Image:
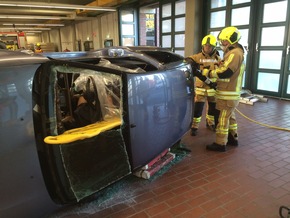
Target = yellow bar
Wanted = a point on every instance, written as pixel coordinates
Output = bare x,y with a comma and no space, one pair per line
83,132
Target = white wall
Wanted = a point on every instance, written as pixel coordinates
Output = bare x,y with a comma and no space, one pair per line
54,37
45,37
193,25
104,27
67,38
89,31
33,39
96,30
110,28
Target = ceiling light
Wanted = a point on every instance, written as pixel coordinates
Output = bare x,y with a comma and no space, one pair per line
33,31
53,5
25,28
34,17
32,24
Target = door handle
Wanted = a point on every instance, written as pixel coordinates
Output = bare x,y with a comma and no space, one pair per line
288,48
257,46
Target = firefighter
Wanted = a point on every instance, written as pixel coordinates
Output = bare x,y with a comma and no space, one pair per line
208,58
2,45
229,77
38,48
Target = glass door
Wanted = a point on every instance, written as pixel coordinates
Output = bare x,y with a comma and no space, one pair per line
128,27
149,25
286,78
238,13
172,22
271,66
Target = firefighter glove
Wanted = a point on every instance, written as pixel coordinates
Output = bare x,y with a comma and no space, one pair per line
196,73
212,85
193,63
206,72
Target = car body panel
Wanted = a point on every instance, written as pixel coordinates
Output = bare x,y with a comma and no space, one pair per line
21,184
158,115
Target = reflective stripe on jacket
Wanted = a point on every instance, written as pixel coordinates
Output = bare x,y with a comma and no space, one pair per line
205,92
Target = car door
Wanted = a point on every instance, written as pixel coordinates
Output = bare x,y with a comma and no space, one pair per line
160,111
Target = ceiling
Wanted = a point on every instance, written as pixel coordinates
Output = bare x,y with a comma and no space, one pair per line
43,15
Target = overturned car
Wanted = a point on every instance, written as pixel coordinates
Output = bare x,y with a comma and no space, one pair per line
74,123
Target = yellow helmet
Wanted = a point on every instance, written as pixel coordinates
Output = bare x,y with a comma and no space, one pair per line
38,44
231,34
209,39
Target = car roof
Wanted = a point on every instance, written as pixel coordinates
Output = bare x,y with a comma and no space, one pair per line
18,58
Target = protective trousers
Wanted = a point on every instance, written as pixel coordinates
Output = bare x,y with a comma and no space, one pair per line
198,108
212,114
227,124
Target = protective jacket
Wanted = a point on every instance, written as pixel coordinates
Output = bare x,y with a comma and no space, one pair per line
38,50
208,61
229,74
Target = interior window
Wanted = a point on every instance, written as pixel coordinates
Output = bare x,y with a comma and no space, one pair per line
83,97
218,3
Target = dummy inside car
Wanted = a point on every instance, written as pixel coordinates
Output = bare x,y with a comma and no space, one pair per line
74,123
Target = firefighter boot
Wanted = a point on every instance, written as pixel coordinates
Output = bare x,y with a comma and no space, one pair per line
193,131
232,140
210,127
216,147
